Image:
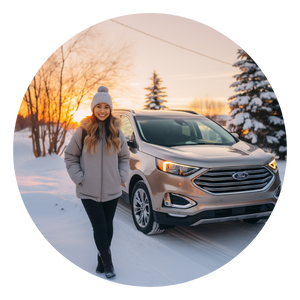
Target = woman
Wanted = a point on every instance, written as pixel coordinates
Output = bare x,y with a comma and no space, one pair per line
97,160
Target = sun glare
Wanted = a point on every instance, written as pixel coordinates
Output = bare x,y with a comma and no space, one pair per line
80,114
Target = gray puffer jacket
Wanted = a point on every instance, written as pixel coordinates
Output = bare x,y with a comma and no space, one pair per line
97,176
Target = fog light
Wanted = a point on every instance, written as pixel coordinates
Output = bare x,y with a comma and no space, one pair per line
178,201
277,192
167,200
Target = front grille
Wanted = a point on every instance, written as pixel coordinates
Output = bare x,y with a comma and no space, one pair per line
220,181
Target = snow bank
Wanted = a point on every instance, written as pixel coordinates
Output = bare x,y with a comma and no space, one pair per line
44,164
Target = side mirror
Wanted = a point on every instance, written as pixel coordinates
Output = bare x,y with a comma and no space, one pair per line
132,142
235,135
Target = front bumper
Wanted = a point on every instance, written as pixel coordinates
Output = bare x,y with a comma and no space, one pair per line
210,208
217,215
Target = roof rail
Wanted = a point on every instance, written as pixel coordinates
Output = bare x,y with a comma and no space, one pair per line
185,110
124,109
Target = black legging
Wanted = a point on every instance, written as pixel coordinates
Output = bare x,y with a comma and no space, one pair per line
101,215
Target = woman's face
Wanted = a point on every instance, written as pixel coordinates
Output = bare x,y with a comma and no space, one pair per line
102,111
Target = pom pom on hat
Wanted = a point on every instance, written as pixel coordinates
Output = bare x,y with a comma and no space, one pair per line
102,97
102,88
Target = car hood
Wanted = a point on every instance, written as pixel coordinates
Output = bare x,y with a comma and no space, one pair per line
208,156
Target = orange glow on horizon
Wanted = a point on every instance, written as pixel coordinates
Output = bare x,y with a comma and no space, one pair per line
81,114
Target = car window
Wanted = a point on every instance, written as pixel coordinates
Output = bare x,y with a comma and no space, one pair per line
209,134
127,128
182,131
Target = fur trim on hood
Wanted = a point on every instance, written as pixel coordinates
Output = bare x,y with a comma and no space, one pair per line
86,120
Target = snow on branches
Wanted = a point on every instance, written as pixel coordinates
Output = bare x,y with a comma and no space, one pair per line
255,112
156,95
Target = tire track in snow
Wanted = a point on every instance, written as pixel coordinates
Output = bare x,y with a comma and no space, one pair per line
152,258
183,233
207,247
187,236
202,243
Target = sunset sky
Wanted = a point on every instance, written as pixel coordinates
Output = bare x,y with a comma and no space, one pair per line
185,74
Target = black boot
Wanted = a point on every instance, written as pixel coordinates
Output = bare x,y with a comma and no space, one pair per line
105,256
100,268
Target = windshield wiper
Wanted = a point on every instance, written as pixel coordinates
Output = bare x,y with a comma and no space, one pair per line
200,143
204,143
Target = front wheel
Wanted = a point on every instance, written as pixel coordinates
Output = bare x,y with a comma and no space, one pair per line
141,209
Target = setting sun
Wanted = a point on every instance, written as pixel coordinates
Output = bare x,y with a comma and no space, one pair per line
80,114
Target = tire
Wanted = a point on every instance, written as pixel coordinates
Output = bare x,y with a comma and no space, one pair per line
141,209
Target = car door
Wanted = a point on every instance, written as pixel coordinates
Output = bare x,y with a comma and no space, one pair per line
128,130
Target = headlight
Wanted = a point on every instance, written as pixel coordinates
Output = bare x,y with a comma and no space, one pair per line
176,169
273,164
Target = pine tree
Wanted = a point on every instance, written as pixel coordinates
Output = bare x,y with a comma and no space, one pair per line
255,112
156,95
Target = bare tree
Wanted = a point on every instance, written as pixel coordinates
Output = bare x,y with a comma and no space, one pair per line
69,77
35,111
208,107
21,122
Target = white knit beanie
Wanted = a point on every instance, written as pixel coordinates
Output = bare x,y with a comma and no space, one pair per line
102,97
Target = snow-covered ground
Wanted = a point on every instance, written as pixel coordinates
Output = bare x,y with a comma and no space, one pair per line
176,256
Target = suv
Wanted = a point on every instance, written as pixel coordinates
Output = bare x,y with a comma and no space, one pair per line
186,170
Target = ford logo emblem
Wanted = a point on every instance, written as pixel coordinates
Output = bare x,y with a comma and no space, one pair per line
240,176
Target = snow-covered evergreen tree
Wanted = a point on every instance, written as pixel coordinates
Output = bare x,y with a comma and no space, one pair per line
255,112
156,95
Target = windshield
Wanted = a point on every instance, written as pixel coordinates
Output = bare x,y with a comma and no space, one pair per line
176,131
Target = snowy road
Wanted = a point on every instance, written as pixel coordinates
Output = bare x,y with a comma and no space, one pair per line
176,256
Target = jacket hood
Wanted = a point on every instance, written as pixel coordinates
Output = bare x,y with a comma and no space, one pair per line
84,122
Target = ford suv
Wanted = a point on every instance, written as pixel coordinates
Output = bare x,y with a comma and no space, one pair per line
186,170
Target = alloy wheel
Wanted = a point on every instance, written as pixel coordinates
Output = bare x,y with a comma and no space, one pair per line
141,208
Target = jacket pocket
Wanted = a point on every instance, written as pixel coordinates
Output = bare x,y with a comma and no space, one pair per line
81,183
89,185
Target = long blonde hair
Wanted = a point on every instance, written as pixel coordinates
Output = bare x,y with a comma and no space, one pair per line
93,132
